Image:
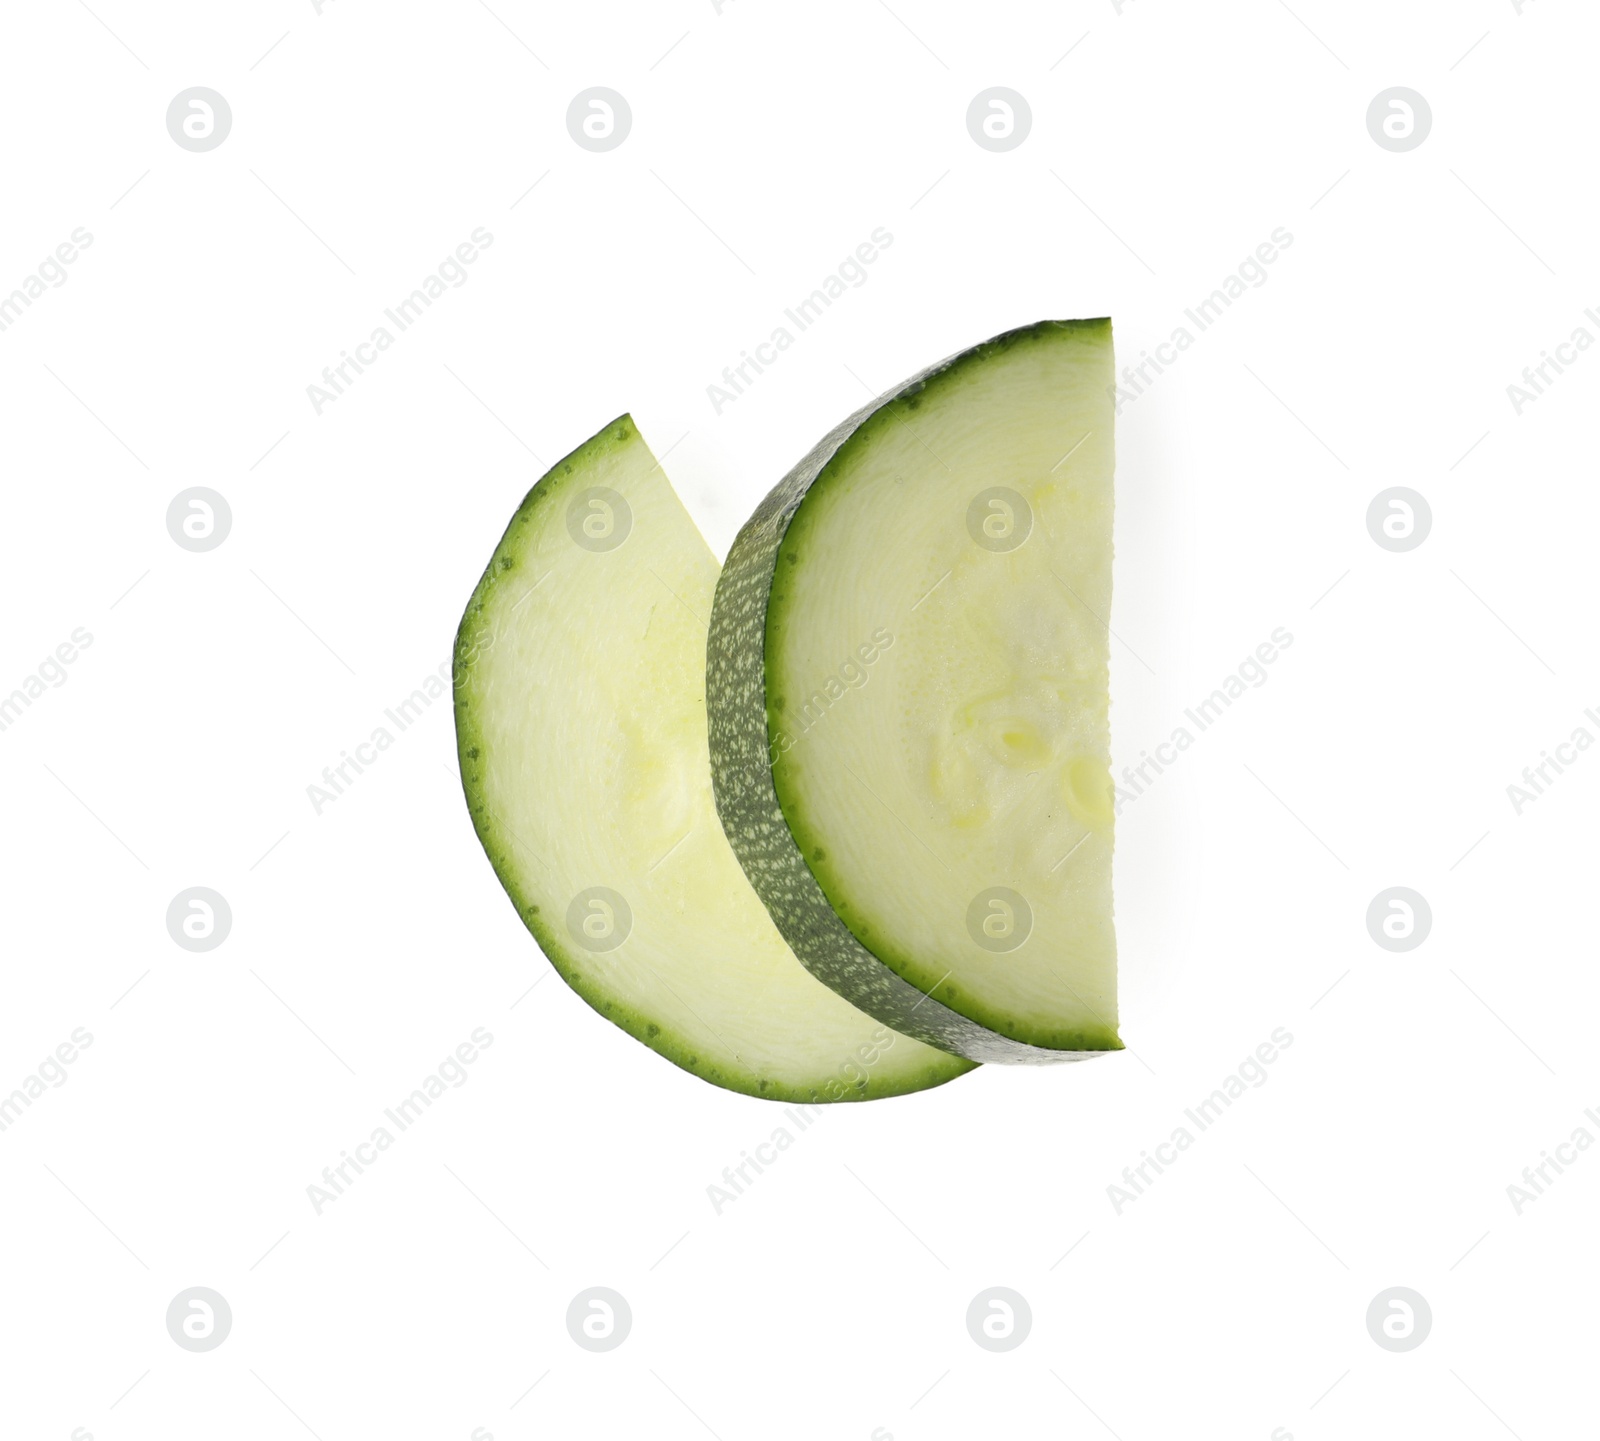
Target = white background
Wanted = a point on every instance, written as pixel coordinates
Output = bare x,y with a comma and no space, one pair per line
368,941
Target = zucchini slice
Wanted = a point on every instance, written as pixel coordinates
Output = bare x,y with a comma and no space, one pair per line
908,686
581,729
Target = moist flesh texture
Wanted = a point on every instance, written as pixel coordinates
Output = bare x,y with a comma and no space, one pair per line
581,727
934,688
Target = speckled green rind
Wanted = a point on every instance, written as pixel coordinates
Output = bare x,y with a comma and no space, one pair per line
741,758
473,638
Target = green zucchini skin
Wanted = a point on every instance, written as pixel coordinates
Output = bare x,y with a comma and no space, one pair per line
742,757
479,684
